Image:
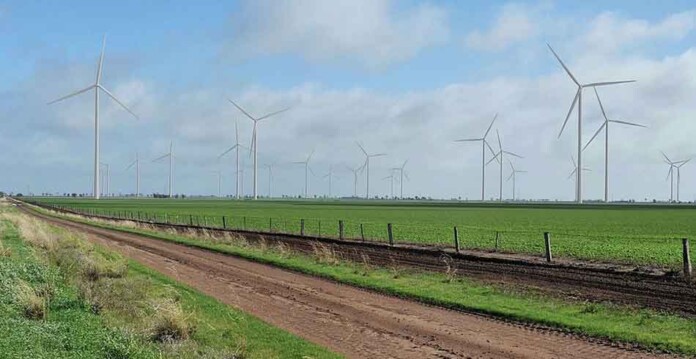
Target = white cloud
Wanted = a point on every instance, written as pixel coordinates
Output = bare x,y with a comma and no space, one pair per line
514,24
371,32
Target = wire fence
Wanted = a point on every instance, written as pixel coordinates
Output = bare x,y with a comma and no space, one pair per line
629,248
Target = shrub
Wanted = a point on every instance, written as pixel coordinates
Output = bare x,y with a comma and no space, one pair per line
33,306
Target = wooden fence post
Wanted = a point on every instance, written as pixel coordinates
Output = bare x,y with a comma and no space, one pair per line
340,229
302,227
547,244
270,224
319,228
362,232
497,240
244,223
390,233
224,222
190,219
687,258
456,239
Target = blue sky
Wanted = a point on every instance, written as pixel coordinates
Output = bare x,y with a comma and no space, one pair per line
403,77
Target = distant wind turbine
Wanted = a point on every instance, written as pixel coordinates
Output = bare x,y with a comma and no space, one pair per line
484,144
107,179
306,173
136,163
96,87
605,127
575,170
367,166
356,171
670,175
401,178
513,176
499,157
330,176
270,177
578,99
170,156
254,144
218,174
391,183
236,146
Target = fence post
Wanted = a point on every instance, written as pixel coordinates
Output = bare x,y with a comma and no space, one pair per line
244,223
547,244
456,239
340,229
191,219
270,224
319,228
497,240
302,227
224,222
391,235
687,258
362,232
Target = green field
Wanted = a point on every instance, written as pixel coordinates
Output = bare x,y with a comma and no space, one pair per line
635,234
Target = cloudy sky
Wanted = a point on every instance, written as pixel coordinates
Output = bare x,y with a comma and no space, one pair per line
405,78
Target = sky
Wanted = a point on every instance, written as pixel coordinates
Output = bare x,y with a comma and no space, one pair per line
405,78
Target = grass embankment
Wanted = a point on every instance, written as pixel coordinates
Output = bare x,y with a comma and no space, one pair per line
631,234
645,327
62,297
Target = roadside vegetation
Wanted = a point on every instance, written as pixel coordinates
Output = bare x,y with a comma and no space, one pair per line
627,234
648,328
64,297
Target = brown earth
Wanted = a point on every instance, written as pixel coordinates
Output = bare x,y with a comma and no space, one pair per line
347,320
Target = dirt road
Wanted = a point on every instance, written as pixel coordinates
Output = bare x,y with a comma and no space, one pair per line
354,322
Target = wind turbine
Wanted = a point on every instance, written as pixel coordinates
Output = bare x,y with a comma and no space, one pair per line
356,171
270,177
391,184
106,178
330,176
484,144
513,176
97,86
401,177
254,145
575,170
136,163
578,99
499,156
219,182
236,146
169,155
306,173
605,127
670,175
367,166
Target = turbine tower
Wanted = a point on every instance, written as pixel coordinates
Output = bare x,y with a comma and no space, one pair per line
513,176
499,157
356,171
575,170
391,183
670,175
106,177
484,144
605,127
306,173
330,176
170,156
367,166
254,145
136,163
578,99
218,174
270,177
236,146
97,86
401,178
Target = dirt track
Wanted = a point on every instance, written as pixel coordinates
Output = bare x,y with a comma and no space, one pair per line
354,322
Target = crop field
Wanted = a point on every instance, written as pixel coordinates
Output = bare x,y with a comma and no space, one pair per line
632,234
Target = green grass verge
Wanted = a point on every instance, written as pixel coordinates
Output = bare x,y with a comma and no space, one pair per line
649,328
632,234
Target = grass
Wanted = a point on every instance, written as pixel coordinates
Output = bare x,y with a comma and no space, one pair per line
646,327
631,234
62,297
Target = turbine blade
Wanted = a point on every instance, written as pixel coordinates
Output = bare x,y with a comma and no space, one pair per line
253,140
596,84
272,114
575,165
628,123
564,66
510,176
161,157
117,101
310,155
469,140
600,104
378,155
570,111
131,165
669,172
595,135
500,144
404,165
512,154
490,126
489,147
228,151
72,94
667,158
361,148
242,110
572,173
101,60
492,159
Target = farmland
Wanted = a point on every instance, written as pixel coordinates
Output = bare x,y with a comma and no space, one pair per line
641,235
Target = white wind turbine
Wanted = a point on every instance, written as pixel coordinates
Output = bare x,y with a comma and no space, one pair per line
306,173
170,156
575,170
270,177
670,175
106,177
254,144
578,99
513,176
499,157
97,86
391,183
218,174
236,146
367,166
356,171
136,163
484,144
401,178
605,127
330,176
